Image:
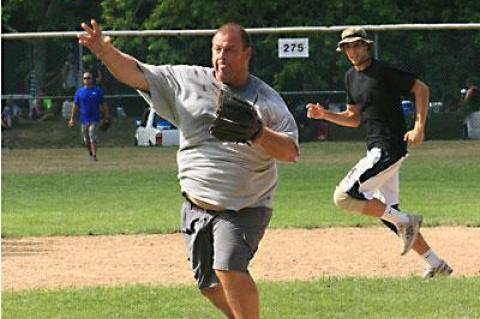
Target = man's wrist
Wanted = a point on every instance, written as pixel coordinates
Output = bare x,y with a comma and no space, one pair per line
258,138
326,113
419,127
105,51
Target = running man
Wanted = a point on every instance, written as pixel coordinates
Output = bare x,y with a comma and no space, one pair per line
374,90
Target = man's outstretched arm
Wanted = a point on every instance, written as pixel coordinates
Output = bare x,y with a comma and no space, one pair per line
122,66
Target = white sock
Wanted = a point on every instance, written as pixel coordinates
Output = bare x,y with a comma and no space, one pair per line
394,216
431,258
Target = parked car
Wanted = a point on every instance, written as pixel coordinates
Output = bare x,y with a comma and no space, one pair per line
155,131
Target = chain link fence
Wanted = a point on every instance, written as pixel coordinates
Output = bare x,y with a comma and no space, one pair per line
49,69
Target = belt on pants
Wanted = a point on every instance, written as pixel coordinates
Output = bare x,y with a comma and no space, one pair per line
212,211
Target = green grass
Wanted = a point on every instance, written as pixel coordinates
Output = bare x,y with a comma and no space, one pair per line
325,298
55,133
439,179
134,190
59,192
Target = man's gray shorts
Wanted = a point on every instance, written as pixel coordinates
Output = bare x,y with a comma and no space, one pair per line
89,132
221,240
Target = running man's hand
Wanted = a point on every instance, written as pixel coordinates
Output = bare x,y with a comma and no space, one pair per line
414,137
315,111
94,40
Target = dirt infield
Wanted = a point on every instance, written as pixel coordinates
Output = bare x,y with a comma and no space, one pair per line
58,262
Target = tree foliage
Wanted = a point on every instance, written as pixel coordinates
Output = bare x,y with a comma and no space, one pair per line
442,58
44,56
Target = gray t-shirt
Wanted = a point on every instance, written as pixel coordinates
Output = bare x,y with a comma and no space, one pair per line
226,174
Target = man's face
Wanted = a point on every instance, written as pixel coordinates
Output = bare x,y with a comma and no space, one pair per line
230,58
87,79
356,52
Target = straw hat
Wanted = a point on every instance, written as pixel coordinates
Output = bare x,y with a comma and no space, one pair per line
351,35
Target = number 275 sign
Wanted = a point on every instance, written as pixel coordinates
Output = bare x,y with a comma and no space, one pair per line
293,48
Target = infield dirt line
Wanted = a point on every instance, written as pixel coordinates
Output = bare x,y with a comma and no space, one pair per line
292,254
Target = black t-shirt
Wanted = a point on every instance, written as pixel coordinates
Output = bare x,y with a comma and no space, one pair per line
377,92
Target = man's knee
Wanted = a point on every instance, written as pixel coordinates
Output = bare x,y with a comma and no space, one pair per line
211,292
347,202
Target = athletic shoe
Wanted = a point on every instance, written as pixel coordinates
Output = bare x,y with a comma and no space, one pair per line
408,232
441,270
93,158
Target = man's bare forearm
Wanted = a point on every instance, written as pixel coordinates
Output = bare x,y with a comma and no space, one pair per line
345,118
422,97
124,68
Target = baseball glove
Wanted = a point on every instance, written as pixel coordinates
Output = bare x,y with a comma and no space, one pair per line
105,125
236,119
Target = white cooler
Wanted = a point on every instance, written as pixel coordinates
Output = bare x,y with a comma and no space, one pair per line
473,125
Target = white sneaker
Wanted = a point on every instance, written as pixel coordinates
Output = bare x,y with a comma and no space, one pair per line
441,270
408,232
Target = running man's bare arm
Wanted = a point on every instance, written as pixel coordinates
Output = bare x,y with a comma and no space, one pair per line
422,97
350,117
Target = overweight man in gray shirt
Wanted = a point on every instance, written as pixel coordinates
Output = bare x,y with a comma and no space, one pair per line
228,187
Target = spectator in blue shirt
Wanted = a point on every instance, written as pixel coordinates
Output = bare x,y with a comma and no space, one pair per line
89,103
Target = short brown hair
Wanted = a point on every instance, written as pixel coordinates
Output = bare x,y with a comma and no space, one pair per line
245,37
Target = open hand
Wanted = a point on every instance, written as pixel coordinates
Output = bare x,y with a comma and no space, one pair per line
93,39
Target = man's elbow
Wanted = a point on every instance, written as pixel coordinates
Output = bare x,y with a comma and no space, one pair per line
356,124
426,89
353,122
421,87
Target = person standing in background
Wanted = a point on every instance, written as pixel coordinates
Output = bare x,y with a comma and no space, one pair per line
31,89
69,75
469,102
89,103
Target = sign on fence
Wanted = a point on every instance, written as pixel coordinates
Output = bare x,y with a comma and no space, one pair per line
293,48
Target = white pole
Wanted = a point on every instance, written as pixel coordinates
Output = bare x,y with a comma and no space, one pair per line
80,66
281,30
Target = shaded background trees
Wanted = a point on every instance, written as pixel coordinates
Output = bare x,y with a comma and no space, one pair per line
442,58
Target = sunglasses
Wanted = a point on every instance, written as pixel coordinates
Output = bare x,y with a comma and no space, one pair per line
87,78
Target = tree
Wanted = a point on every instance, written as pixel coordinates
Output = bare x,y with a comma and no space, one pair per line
31,16
432,55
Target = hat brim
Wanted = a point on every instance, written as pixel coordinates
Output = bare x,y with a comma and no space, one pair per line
350,40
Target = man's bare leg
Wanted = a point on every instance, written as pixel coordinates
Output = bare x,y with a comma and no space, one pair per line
87,145
217,297
93,150
376,208
241,294
420,246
